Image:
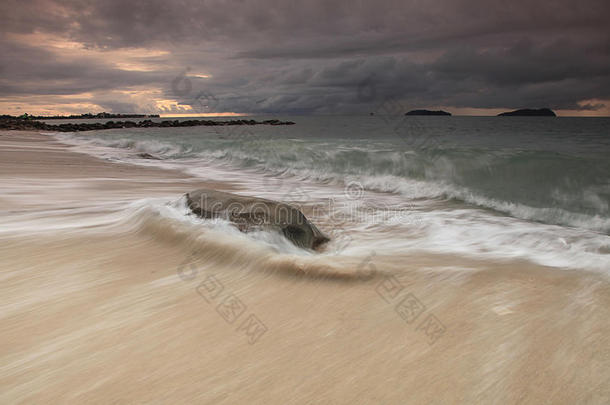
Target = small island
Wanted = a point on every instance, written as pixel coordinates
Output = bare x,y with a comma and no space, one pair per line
428,112
528,112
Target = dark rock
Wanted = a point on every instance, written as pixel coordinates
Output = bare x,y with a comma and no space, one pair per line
527,112
250,213
427,112
145,155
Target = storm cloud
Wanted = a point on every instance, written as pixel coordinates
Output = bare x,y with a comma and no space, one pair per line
268,57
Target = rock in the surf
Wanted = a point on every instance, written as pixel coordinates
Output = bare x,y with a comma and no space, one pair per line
250,213
145,155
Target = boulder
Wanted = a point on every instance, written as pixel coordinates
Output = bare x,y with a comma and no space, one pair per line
250,213
145,155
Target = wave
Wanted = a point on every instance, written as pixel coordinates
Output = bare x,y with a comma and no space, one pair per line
535,186
500,181
415,189
462,232
410,231
106,147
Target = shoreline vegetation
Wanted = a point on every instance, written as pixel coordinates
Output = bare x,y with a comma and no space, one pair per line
26,124
85,116
428,112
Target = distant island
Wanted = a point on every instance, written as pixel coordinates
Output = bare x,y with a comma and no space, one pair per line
528,112
427,112
85,116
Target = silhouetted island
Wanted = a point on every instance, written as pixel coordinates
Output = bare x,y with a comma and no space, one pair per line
529,112
427,112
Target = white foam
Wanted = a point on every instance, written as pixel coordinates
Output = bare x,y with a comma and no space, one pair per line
419,225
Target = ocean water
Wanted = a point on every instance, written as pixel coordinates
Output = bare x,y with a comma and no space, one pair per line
505,188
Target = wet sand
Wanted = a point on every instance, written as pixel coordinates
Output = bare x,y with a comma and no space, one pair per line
142,310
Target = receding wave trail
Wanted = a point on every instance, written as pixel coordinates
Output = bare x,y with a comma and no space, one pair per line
357,228
209,242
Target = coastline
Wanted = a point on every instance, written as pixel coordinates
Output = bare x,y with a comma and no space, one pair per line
32,149
15,123
107,313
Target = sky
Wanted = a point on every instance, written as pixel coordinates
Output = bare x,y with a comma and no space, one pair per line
469,57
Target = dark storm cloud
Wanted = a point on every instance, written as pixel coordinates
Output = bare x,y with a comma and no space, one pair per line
307,57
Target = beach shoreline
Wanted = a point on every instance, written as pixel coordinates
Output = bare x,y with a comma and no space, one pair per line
105,300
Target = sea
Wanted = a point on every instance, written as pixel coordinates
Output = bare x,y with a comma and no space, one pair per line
500,188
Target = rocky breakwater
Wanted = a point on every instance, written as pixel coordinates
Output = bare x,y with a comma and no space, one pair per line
33,125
